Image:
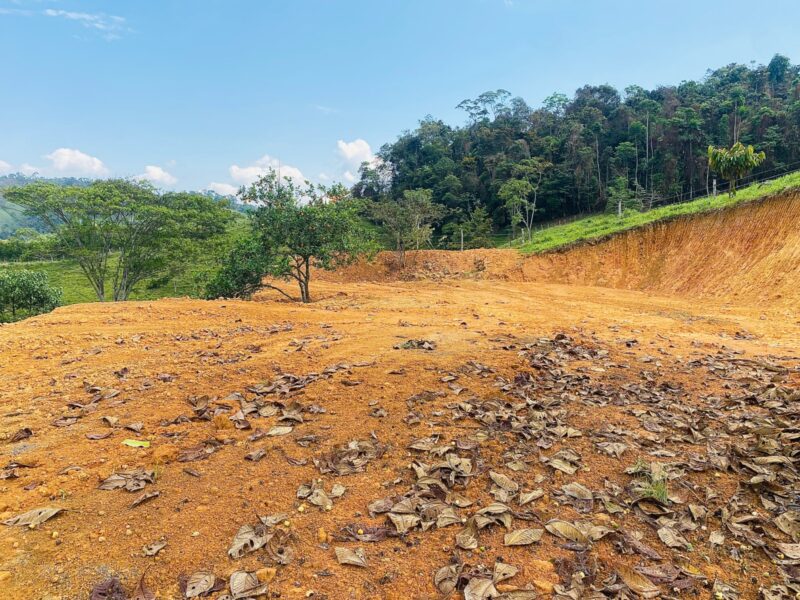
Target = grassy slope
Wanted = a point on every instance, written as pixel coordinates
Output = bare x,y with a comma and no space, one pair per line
67,275
599,226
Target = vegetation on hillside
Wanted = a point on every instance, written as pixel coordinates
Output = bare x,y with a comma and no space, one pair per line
602,225
644,147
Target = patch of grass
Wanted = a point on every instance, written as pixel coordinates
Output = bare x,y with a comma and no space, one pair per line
651,480
67,275
599,226
656,489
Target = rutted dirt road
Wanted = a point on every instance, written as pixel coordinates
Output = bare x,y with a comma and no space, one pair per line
535,387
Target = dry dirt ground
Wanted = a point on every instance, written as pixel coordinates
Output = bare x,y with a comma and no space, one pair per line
647,444
661,377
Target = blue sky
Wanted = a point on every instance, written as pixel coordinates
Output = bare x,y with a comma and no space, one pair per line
207,93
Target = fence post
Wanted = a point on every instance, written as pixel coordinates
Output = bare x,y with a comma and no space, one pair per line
715,187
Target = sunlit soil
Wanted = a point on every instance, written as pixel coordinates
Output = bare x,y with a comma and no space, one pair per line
647,381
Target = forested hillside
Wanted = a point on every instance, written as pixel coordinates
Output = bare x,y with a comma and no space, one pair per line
648,146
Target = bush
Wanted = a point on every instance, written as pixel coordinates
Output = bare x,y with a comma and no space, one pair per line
241,272
26,293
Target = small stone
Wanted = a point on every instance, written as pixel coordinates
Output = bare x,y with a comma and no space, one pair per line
322,535
266,575
101,539
54,535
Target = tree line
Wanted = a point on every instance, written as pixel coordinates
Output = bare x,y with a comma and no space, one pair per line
438,186
598,150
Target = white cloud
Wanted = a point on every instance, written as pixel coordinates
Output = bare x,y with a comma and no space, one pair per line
110,26
223,189
157,175
326,110
70,161
15,11
248,174
356,152
5,167
28,170
352,155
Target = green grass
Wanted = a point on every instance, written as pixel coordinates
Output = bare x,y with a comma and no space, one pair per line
67,275
599,226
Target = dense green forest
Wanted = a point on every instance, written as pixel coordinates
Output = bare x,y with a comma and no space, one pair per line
647,145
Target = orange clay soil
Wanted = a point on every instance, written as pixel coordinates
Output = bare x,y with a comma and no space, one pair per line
749,253
159,354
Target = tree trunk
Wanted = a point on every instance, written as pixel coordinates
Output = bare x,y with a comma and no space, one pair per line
305,279
599,175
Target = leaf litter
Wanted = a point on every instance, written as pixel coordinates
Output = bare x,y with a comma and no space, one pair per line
662,458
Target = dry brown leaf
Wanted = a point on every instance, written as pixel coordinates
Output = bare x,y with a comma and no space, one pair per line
356,558
638,583
522,537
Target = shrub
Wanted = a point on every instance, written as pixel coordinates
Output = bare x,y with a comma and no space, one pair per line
26,293
241,273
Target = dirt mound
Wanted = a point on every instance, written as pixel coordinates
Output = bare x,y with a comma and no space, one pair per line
749,253
433,265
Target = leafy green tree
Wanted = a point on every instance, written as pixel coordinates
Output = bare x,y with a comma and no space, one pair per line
242,272
735,162
408,222
621,197
122,232
26,293
473,232
515,194
294,229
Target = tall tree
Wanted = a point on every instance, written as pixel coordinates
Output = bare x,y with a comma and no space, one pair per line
294,228
123,232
